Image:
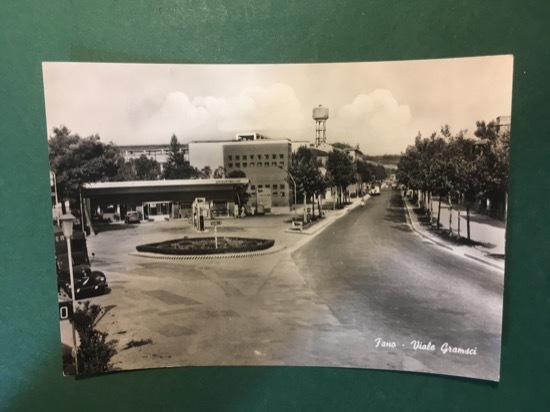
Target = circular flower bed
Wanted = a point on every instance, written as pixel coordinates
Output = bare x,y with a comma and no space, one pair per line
206,246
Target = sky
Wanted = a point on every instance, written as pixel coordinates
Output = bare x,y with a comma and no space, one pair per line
380,106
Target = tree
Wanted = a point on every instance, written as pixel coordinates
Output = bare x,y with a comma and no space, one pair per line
205,172
493,161
340,173
219,173
146,169
241,190
76,161
364,171
462,174
308,178
142,168
176,166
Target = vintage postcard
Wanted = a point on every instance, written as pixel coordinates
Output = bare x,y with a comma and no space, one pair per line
329,215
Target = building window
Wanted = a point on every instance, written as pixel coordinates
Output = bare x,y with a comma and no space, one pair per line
244,157
281,164
274,164
251,164
274,156
282,194
259,164
245,164
274,193
230,165
260,157
230,157
266,156
253,187
281,156
237,165
260,186
267,185
281,186
266,164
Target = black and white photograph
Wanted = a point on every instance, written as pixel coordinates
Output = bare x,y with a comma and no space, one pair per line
348,215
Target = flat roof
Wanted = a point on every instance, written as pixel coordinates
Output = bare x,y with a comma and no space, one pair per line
164,183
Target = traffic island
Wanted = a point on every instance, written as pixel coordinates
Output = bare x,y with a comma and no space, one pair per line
198,246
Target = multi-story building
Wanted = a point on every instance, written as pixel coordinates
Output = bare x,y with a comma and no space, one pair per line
158,152
265,163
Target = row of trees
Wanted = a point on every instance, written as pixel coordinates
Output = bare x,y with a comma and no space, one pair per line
340,171
461,169
76,160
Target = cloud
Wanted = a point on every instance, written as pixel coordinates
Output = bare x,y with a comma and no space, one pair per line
255,108
275,107
376,120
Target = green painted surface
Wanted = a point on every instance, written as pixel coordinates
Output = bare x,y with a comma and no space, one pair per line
247,31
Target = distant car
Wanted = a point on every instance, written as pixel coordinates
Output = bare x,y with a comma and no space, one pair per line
374,191
132,217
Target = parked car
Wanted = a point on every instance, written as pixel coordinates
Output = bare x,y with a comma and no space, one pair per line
132,217
87,281
110,215
374,191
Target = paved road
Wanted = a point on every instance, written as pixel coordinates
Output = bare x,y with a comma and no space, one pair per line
379,277
366,276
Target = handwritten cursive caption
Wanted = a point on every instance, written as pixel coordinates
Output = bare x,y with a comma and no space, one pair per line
417,345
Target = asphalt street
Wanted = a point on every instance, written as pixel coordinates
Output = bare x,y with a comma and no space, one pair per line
376,275
367,276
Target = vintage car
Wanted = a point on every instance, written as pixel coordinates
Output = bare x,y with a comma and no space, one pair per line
132,217
87,281
375,191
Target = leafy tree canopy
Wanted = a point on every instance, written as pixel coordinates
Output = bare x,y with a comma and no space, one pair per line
305,171
142,168
219,173
241,191
176,166
76,160
340,169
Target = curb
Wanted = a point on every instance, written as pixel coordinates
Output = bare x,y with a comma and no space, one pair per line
326,223
483,261
437,242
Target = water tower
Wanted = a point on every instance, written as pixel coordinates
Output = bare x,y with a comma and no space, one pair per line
320,115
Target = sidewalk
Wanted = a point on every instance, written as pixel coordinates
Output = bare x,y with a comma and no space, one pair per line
330,217
487,234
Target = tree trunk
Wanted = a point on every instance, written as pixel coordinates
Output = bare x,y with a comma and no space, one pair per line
431,207
458,213
450,215
468,220
438,212
305,209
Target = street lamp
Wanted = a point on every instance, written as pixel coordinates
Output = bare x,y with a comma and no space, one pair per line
294,183
67,222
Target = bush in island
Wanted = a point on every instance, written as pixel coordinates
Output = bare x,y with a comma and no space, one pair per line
206,246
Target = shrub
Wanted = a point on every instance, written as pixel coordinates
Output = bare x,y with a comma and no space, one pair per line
94,352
